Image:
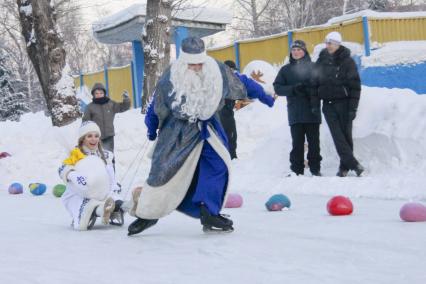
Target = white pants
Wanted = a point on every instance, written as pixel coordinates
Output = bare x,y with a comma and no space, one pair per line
79,207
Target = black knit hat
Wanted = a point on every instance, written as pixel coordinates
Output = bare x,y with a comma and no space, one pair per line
231,64
299,44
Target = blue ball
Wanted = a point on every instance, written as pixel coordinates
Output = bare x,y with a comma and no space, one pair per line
37,188
277,202
15,188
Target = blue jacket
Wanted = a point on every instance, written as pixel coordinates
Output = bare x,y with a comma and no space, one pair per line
255,90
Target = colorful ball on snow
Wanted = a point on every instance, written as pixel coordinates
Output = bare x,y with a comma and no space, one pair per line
277,202
413,212
58,190
37,188
339,206
15,188
234,200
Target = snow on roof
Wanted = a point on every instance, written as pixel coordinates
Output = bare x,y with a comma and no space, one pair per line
195,14
376,15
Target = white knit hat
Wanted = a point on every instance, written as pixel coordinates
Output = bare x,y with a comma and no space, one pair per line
88,126
334,37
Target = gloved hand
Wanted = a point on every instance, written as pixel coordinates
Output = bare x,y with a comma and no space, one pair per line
315,111
152,136
351,115
78,180
269,101
300,89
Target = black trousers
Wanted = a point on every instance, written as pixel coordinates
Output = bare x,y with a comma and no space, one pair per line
297,155
108,144
336,114
228,122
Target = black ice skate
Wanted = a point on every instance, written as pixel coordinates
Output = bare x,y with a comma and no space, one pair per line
215,224
117,216
140,225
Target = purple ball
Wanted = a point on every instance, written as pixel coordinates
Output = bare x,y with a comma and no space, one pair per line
413,212
234,200
16,188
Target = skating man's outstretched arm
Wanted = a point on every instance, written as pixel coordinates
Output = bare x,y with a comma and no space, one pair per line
255,90
151,121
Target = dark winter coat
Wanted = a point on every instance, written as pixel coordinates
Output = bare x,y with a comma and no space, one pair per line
337,78
103,114
294,81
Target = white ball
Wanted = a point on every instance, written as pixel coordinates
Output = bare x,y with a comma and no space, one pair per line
97,177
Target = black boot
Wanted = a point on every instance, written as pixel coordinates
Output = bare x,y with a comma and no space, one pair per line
316,173
117,217
140,225
214,222
359,170
342,173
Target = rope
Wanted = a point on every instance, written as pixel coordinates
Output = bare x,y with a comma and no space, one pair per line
133,161
141,158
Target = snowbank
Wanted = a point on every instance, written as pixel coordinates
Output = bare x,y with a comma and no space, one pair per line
389,132
390,141
396,53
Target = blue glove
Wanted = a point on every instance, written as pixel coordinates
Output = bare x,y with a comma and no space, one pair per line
152,136
269,101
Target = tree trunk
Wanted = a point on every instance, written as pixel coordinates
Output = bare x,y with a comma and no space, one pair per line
156,44
47,54
254,17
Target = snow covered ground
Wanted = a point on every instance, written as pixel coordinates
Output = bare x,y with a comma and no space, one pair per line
301,245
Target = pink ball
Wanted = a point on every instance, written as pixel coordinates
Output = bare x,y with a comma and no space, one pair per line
413,212
234,200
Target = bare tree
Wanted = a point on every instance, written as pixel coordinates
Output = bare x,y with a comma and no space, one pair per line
155,39
46,51
17,61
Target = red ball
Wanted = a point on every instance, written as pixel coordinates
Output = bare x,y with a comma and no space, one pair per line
340,205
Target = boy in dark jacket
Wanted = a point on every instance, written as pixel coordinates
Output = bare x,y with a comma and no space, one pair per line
294,81
102,110
339,86
254,91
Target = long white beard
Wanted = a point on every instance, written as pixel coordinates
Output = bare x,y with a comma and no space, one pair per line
197,93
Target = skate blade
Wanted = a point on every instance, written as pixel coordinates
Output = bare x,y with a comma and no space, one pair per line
116,219
214,231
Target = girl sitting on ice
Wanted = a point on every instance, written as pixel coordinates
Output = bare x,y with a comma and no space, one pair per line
92,190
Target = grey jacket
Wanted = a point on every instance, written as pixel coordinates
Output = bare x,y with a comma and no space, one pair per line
103,115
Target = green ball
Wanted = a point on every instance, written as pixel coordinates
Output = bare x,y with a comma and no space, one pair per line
58,190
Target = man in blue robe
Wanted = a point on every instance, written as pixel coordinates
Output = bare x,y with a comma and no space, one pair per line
190,168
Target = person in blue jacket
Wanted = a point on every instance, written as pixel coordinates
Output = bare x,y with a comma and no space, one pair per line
254,91
190,162
295,81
